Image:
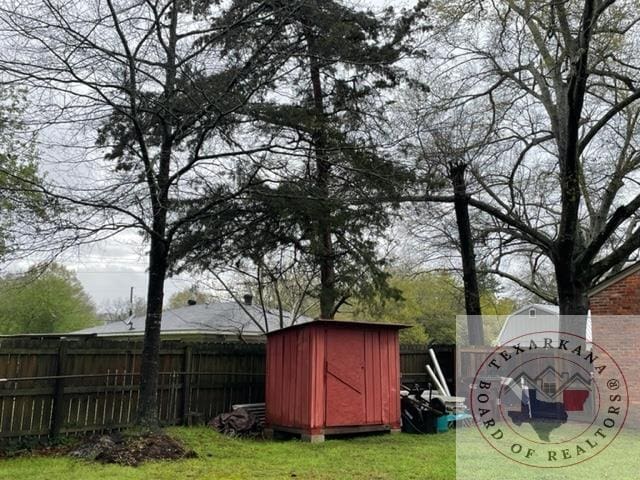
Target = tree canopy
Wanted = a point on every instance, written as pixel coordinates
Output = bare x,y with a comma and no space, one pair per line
327,109
45,299
430,303
271,140
545,96
155,94
21,204
192,294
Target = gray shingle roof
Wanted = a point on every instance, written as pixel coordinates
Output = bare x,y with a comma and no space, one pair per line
215,318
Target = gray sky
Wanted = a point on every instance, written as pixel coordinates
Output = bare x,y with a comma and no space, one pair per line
109,269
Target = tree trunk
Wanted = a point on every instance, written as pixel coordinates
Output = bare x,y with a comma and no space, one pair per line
150,367
469,274
327,271
572,290
323,175
572,298
159,248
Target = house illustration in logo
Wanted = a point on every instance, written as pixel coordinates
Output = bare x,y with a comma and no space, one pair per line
546,400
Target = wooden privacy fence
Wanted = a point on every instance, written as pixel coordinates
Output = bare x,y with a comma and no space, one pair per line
469,360
413,359
52,386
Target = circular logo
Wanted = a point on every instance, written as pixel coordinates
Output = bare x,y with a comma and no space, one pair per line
549,399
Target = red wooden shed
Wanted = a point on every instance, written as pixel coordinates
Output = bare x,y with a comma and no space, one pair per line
332,377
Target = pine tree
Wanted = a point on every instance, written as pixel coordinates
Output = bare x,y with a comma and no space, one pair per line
327,109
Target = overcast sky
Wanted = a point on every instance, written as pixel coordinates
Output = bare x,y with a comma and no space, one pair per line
109,269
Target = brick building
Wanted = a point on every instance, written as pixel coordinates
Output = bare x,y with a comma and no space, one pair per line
615,311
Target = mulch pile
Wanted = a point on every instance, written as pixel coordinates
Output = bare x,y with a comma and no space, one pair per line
131,450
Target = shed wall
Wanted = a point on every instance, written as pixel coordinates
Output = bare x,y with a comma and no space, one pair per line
382,378
288,370
318,388
297,395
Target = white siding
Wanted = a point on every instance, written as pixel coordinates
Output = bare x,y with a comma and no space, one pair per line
521,327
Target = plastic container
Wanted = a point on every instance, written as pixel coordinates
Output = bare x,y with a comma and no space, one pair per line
442,423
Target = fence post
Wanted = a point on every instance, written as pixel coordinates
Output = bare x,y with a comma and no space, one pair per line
186,385
58,392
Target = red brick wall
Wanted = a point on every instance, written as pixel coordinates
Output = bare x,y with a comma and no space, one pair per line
621,298
615,315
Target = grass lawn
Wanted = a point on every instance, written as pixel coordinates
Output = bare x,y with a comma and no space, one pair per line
402,456
476,460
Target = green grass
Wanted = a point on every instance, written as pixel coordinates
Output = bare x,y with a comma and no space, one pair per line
402,456
476,460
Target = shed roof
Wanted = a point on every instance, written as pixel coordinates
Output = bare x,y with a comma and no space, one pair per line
322,321
215,318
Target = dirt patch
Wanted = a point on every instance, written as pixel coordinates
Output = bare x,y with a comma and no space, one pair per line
37,447
131,450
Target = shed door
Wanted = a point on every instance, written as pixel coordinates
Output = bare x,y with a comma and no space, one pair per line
345,374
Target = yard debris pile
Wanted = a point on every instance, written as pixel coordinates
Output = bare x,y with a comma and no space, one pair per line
238,423
131,450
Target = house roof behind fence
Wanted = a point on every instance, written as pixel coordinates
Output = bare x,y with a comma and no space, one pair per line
215,318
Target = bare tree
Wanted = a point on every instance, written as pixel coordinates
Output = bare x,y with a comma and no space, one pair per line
558,176
283,282
467,252
122,309
446,140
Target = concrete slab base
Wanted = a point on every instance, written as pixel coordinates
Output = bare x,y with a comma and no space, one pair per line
312,438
